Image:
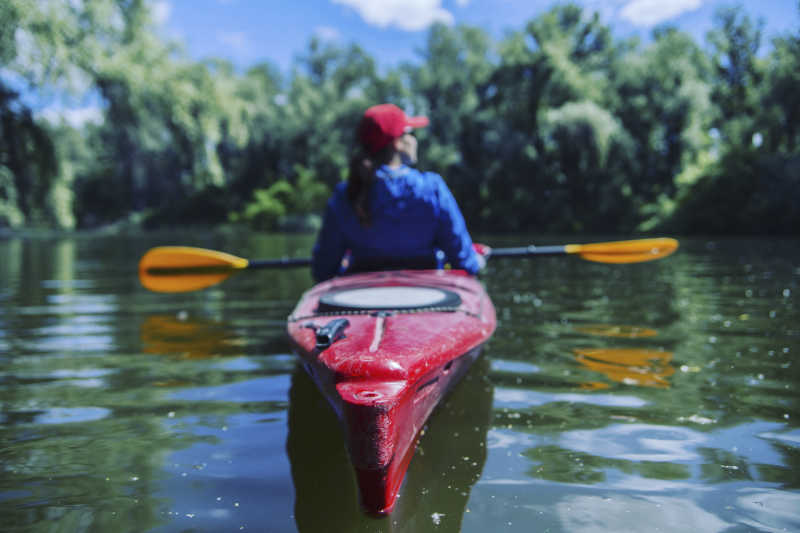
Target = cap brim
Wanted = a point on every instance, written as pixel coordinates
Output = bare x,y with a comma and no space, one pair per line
417,122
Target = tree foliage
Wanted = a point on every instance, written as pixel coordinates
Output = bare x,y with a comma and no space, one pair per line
559,126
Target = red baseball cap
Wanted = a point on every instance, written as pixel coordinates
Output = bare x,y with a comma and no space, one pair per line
381,124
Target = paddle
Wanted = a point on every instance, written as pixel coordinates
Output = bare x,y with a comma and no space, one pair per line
184,268
636,251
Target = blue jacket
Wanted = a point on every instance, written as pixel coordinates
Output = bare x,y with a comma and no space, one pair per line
413,215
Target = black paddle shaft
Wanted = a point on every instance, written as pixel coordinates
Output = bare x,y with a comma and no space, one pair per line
283,262
523,251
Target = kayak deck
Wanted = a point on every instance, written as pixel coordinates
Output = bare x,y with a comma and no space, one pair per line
384,348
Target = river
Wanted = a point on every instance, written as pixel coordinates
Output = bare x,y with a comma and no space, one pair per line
660,396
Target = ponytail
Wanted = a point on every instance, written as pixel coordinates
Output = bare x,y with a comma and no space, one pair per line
359,184
360,180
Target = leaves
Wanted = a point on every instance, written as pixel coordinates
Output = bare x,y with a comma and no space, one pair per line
558,126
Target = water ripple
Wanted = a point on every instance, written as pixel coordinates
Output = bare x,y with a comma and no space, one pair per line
637,442
71,415
521,398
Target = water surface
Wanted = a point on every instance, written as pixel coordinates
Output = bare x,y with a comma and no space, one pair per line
659,396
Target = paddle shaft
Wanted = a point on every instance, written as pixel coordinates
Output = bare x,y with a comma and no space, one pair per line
283,262
524,251
518,251
296,262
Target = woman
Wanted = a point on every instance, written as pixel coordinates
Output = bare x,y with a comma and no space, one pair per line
388,214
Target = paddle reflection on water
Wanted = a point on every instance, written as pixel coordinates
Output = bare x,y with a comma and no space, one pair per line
435,493
632,366
190,338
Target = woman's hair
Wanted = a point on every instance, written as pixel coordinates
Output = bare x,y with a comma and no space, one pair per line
360,180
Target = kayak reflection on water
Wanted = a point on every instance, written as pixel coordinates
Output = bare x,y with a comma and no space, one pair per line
434,496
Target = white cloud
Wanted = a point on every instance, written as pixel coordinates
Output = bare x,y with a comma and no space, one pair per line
235,40
161,10
409,15
651,12
75,117
327,33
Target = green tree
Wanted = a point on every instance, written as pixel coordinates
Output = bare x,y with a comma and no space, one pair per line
35,41
28,164
326,97
556,135
557,127
738,73
447,88
751,188
780,105
662,96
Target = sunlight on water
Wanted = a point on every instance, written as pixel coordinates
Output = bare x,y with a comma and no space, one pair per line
514,367
65,415
519,399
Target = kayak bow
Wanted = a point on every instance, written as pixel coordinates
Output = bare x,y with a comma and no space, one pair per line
384,348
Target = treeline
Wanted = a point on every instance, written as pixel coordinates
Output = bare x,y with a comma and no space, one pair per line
559,126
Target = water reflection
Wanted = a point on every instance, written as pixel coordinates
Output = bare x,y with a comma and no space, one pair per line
121,410
583,514
188,337
621,331
635,366
436,490
631,366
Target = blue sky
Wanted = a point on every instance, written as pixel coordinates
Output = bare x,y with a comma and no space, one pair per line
391,31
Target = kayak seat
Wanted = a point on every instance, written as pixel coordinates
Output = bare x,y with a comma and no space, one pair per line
389,298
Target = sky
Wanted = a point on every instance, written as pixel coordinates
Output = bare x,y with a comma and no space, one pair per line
392,31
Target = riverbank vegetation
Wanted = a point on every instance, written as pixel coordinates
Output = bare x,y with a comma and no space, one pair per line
558,126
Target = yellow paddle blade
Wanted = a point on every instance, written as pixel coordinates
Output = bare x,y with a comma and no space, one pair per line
185,268
636,251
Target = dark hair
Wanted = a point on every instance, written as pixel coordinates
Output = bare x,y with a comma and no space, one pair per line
361,177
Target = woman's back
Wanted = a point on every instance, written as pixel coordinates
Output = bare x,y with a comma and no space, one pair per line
388,214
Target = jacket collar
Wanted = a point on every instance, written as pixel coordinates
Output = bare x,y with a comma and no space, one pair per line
385,171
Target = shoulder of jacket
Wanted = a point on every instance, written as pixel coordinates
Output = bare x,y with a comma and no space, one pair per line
339,195
435,181
433,176
339,192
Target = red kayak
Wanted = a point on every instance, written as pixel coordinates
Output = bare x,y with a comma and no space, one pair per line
384,348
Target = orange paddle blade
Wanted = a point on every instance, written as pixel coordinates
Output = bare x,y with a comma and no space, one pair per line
635,251
185,268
